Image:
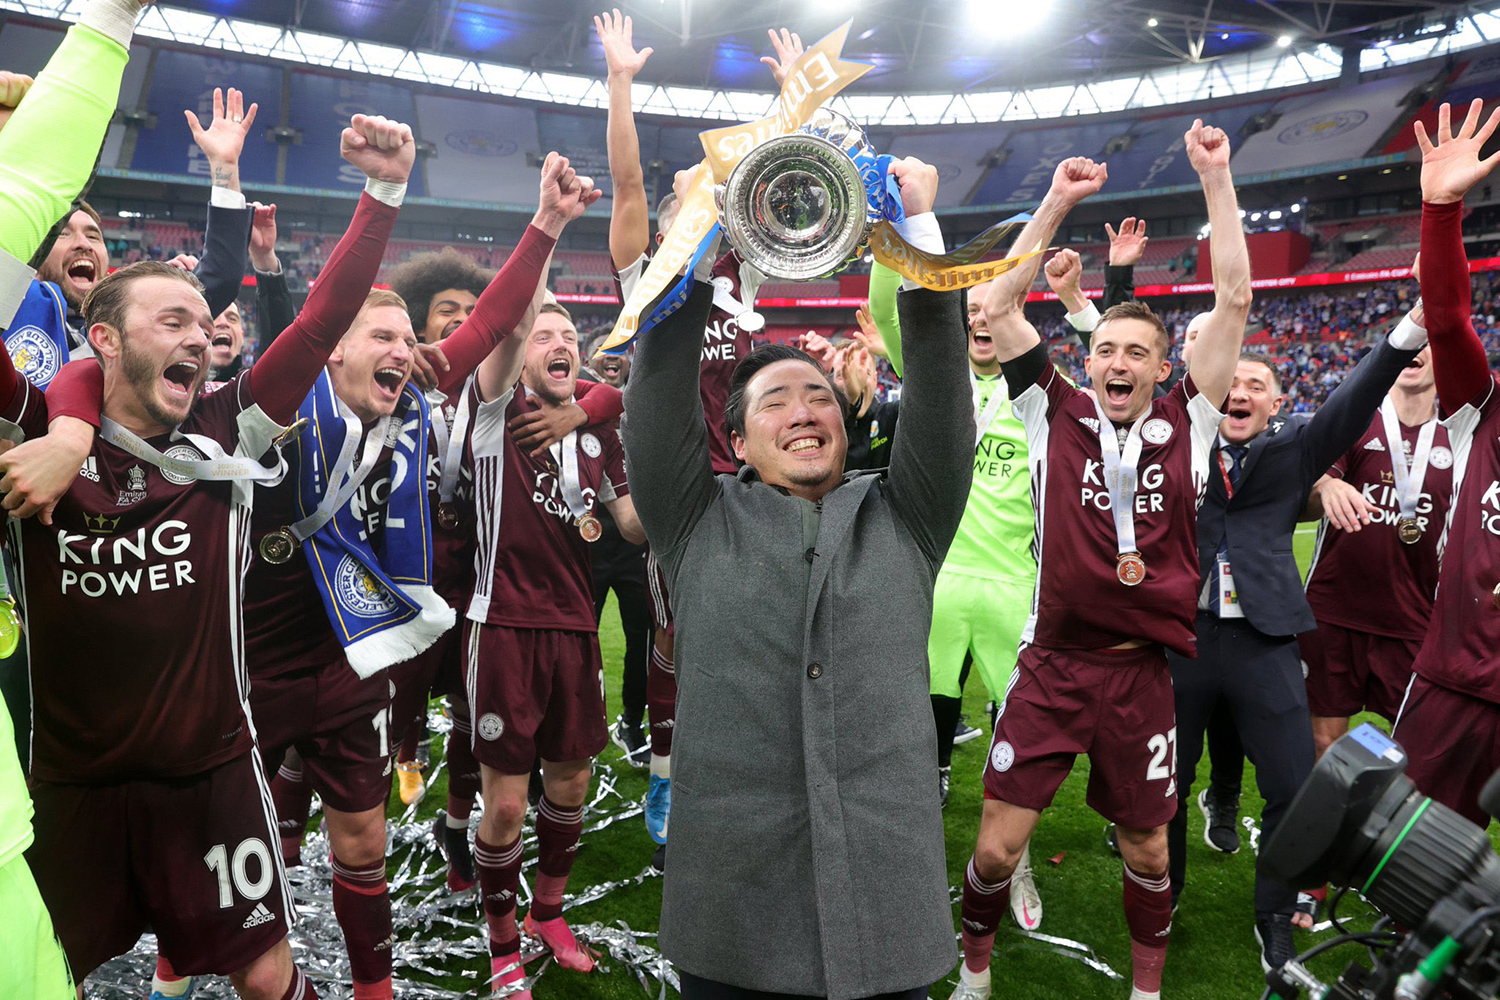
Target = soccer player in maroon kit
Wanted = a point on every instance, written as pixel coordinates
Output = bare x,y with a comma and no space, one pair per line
163,755
1449,723
533,669
1117,477
726,340
1385,516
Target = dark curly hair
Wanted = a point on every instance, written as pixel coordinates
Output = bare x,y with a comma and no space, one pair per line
423,276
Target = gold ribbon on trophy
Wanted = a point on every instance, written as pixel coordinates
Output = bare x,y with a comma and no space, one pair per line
817,75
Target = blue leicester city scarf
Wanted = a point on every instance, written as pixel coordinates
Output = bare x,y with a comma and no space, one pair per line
379,598
37,338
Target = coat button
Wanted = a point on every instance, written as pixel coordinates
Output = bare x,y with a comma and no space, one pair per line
815,670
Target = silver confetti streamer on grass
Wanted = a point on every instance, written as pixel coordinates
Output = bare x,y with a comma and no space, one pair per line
439,934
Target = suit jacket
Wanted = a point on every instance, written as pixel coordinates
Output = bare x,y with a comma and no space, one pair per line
804,759
1278,472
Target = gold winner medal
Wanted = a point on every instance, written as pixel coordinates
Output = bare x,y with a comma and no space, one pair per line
276,547
590,528
1131,568
10,628
447,516
1408,530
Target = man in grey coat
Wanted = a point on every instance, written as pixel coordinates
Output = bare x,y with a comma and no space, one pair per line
807,837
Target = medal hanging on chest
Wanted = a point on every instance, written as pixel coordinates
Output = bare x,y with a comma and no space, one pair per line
589,526
447,517
276,547
1121,478
1130,568
450,456
1407,478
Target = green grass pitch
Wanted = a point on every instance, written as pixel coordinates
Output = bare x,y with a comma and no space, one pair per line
1213,954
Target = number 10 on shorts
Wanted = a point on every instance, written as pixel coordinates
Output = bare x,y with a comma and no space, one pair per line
236,867
1163,747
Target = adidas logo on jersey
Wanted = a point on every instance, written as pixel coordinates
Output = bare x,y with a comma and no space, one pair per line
90,469
1374,445
1092,423
259,915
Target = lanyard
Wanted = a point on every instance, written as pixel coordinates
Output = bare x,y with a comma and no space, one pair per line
1120,474
1408,479
1224,474
982,420
447,439
219,466
334,497
567,461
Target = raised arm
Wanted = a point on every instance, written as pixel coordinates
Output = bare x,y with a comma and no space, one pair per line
1073,180
666,440
273,298
1449,169
1347,412
1217,350
630,215
222,269
564,197
932,455
1126,248
49,146
884,284
384,150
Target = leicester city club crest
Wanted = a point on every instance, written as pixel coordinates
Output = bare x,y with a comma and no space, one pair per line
358,591
34,354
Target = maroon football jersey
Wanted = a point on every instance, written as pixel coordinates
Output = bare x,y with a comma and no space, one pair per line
1462,648
133,605
724,344
1371,581
1079,602
533,567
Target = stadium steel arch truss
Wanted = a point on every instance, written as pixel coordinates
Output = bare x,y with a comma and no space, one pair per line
1180,52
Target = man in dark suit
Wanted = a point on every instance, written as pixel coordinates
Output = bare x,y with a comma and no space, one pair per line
1251,604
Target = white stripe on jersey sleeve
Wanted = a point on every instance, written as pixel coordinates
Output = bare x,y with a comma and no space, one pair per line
631,276
1461,429
1203,419
1031,409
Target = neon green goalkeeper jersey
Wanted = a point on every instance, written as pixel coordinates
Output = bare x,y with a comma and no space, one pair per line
994,537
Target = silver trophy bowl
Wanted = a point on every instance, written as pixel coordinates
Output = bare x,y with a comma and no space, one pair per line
795,206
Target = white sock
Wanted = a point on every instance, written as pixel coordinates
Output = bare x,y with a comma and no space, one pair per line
175,988
454,823
1140,994
661,766
979,979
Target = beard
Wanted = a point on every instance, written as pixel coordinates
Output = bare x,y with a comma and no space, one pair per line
557,395
70,294
141,375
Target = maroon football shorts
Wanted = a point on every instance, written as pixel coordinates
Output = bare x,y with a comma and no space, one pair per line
339,723
195,859
1114,705
437,670
534,693
656,595
1453,741
1350,671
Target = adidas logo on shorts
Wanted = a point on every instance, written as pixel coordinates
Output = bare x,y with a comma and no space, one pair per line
259,915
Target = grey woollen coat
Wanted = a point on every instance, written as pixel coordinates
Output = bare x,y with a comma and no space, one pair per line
807,836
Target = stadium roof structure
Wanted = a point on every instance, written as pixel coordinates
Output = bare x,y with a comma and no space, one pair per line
935,63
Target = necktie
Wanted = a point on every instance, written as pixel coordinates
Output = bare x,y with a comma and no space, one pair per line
1236,453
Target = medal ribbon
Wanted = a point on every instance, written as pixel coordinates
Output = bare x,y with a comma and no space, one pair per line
1409,479
572,490
219,467
983,420
1120,474
447,438
335,498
